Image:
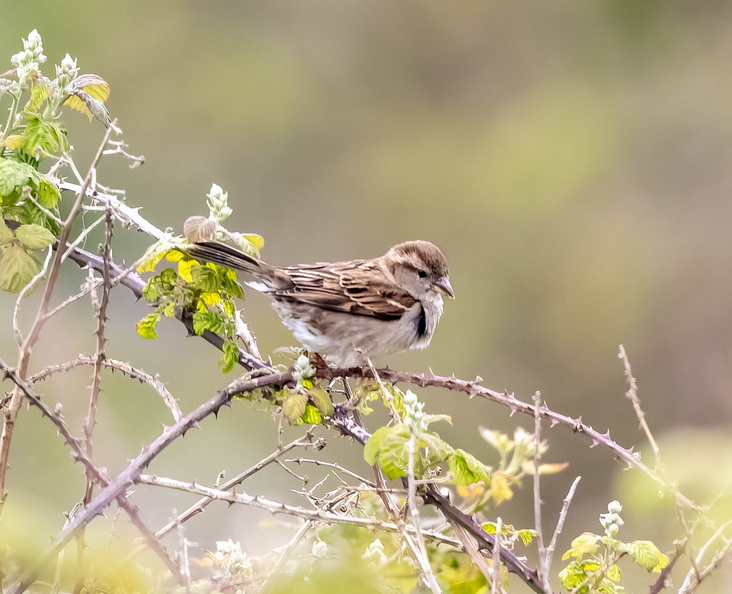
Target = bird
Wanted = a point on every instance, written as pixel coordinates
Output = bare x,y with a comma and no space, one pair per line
354,311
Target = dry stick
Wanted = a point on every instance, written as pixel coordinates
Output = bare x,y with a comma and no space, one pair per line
130,474
91,417
496,575
276,507
560,523
79,454
114,365
201,504
13,409
333,465
661,582
695,576
542,567
632,395
421,549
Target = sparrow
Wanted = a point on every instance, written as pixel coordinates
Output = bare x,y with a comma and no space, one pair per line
350,311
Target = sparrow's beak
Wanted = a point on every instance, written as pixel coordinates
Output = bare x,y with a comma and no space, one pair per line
443,285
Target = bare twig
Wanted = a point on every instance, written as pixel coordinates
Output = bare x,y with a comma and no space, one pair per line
91,417
632,395
421,549
496,587
129,475
560,525
542,567
13,409
114,365
79,454
275,507
697,574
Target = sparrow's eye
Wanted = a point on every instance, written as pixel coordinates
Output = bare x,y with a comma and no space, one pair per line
421,273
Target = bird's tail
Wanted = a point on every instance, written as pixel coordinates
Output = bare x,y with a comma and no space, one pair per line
220,253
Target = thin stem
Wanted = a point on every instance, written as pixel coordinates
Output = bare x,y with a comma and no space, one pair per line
10,414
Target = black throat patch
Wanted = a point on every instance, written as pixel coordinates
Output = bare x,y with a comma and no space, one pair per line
422,322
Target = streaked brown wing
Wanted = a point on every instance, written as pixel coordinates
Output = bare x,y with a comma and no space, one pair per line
358,287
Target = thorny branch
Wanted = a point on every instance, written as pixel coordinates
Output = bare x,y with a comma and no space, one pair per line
115,489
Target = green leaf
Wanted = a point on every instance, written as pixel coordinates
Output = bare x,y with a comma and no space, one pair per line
39,93
293,407
17,268
209,320
584,544
168,277
156,252
230,283
467,469
388,447
647,554
526,535
437,448
42,136
146,326
205,278
6,234
613,573
429,419
311,415
48,193
13,176
230,356
321,400
151,292
34,237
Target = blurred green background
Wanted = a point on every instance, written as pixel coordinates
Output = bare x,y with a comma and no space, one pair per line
572,159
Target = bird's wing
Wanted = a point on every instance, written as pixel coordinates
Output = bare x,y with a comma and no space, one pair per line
358,287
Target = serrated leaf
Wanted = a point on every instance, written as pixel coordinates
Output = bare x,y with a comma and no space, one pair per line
526,535
647,554
156,252
151,291
321,400
48,193
204,277
17,268
437,448
312,415
210,299
613,573
208,320
42,136
584,544
14,142
39,93
467,469
293,407
13,176
146,326
34,237
168,277
389,450
230,356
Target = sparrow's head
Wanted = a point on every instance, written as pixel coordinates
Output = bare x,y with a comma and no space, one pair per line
420,268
